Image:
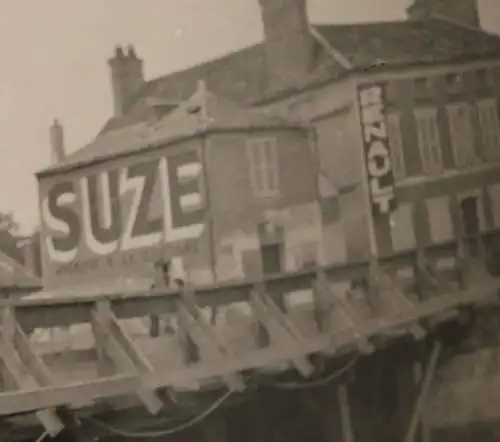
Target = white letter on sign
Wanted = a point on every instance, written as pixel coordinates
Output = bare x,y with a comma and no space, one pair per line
378,151
173,234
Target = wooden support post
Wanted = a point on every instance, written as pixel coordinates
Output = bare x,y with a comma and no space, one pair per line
126,357
345,413
426,385
322,302
372,292
280,329
18,373
203,336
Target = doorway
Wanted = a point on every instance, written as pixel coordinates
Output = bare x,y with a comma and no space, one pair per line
271,258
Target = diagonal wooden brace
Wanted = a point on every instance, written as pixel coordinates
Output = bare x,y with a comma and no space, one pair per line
430,278
120,348
280,328
391,294
199,330
416,330
22,375
363,344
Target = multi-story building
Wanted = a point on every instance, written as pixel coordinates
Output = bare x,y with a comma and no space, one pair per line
398,133
321,144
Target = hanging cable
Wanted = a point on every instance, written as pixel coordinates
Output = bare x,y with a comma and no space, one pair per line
161,433
314,383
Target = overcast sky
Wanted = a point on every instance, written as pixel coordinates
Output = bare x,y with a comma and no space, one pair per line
53,64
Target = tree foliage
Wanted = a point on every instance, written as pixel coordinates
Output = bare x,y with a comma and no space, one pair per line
11,239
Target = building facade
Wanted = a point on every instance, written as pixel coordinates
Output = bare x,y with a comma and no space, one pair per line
401,134
321,145
226,193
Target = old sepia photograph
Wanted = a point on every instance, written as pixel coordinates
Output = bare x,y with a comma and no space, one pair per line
250,221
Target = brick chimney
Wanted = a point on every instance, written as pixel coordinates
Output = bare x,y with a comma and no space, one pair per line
465,12
57,142
126,77
288,43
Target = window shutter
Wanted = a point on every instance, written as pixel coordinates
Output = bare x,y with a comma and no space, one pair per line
396,145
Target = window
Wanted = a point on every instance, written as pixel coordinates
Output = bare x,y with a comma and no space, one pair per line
271,258
396,145
429,140
440,220
461,134
471,224
487,111
453,82
483,78
263,163
402,228
422,87
494,191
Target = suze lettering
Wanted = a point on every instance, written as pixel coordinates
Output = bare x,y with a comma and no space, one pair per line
111,211
375,139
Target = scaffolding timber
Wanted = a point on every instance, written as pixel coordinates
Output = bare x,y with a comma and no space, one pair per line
355,307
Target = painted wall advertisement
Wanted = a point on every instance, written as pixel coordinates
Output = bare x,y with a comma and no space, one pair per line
109,222
376,148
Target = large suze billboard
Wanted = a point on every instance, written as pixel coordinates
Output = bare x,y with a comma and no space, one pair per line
114,220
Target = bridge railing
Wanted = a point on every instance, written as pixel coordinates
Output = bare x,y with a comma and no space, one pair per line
351,303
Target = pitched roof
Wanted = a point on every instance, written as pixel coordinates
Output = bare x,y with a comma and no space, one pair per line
202,113
241,76
401,43
15,275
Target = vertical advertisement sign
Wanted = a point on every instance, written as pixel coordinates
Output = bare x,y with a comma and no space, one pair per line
376,148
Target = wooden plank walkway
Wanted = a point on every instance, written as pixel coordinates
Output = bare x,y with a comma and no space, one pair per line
108,353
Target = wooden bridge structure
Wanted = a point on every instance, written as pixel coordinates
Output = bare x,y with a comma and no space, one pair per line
352,308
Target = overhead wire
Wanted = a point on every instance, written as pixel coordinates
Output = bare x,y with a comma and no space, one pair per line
315,382
208,411
161,433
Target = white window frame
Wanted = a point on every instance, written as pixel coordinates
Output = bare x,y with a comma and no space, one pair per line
395,137
489,123
462,134
429,144
263,166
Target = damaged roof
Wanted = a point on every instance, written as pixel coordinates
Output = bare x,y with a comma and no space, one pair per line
241,77
204,112
400,43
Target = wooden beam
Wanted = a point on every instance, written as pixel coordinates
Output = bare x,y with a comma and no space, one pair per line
36,398
322,302
392,298
20,376
346,307
426,385
345,413
202,334
281,330
123,352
